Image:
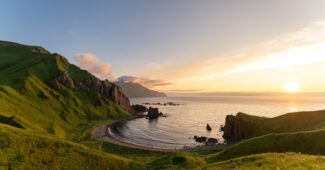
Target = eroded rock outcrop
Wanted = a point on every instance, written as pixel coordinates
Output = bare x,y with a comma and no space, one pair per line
63,79
234,129
102,90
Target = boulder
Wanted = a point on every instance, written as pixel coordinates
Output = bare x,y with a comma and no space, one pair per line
201,139
139,108
211,141
208,127
153,113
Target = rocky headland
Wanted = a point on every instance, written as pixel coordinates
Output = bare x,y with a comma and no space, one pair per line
244,126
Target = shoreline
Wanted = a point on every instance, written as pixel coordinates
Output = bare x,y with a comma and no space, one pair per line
101,133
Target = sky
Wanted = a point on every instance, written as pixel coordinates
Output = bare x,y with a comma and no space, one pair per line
181,46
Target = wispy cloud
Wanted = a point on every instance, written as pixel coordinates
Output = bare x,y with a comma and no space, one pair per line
302,47
91,63
143,81
296,56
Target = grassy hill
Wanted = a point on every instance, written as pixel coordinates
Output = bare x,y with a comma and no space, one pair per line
243,126
309,142
27,98
48,108
21,149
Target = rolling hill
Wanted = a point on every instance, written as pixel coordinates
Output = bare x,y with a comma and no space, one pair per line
244,126
48,108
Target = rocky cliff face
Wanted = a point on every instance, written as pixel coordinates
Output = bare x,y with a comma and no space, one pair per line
236,128
102,89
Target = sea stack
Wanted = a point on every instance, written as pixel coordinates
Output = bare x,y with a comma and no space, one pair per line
208,127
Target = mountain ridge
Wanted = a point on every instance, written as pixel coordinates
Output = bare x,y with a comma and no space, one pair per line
133,90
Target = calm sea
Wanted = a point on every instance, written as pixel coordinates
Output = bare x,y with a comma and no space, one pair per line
190,119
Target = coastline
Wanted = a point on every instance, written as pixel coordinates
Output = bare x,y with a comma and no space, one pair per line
101,133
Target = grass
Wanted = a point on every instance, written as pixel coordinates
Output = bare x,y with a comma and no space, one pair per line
42,128
25,95
311,142
21,149
253,126
271,161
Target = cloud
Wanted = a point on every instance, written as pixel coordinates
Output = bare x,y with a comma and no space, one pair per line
298,48
90,62
143,81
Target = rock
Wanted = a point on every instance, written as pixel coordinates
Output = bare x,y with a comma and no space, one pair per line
211,141
153,113
65,80
163,104
201,139
235,129
98,99
82,86
102,89
208,127
119,97
139,108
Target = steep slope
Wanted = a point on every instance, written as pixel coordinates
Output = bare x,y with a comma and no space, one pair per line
41,91
137,90
243,126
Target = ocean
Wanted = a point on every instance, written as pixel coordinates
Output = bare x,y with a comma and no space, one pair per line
189,119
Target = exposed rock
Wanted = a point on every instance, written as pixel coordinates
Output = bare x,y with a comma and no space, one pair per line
139,108
163,104
98,99
201,139
208,127
65,80
153,113
82,86
234,129
211,141
102,89
118,97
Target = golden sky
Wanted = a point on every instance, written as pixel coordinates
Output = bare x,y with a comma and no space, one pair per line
296,58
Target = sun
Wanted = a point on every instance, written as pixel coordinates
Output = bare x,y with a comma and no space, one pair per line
291,87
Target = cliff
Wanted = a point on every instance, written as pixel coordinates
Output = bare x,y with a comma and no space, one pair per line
244,126
137,90
102,89
42,91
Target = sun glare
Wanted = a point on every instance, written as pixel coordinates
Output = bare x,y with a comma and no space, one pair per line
291,87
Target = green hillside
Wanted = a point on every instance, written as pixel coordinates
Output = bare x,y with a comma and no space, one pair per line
48,108
27,98
309,142
271,161
21,149
243,126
